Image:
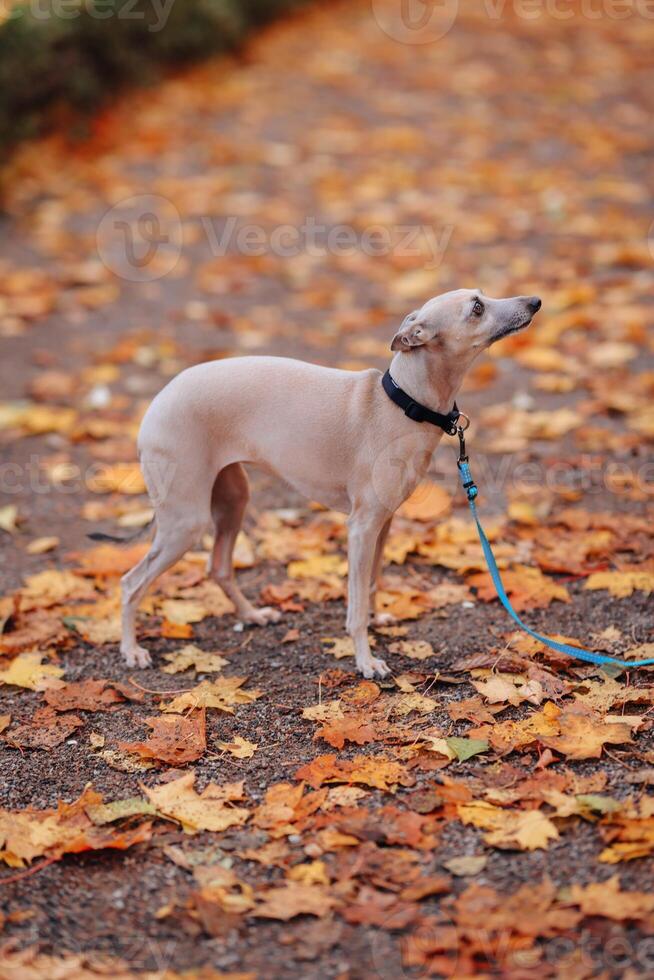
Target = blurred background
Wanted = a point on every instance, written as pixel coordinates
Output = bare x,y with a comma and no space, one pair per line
188,179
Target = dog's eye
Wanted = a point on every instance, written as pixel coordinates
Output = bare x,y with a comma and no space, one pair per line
477,308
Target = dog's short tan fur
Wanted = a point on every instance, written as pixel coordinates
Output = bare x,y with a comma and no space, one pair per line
333,435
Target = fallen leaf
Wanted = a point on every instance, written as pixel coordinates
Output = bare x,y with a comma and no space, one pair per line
223,694
39,546
175,739
466,748
9,518
583,736
527,588
383,909
117,478
624,582
291,899
524,830
348,729
28,670
212,809
240,748
91,695
26,834
339,647
192,657
373,771
467,865
415,649
606,899
45,730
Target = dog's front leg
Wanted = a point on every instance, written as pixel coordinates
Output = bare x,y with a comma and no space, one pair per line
379,618
364,531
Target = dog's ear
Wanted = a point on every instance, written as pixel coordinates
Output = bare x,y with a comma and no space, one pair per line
412,333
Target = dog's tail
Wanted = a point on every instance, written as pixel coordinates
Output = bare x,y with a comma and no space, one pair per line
100,536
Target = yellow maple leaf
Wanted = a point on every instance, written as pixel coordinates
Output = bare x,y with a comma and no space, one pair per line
524,830
605,898
509,735
415,649
317,567
340,646
192,657
28,670
239,748
53,586
326,711
223,694
181,612
213,809
623,583
412,701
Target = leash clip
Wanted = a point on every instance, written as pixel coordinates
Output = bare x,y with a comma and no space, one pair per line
460,429
462,463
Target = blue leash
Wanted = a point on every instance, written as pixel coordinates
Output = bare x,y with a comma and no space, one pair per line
579,653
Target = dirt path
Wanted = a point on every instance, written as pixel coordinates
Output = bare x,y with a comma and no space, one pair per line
299,202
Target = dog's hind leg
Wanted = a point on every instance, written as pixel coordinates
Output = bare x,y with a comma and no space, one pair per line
172,539
229,499
180,494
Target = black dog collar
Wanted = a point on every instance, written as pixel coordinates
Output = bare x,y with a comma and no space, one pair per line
417,412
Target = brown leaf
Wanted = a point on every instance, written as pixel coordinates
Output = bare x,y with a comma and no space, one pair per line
383,909
26,834
176,739
527,588
348,729
369,770
583,736
91,695
46,730
606,899
293,898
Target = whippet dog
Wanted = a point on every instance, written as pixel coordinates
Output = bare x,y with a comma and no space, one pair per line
357,442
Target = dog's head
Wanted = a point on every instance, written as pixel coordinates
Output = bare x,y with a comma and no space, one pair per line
464,322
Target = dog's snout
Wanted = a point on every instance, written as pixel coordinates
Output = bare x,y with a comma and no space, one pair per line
534,303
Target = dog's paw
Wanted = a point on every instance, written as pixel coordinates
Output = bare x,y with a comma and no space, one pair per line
384,619
137,657
262,616
375,668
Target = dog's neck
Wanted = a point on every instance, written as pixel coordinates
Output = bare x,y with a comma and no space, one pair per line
428,378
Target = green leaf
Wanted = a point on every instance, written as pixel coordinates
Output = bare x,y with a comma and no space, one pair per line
600,804
465,748
108,812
